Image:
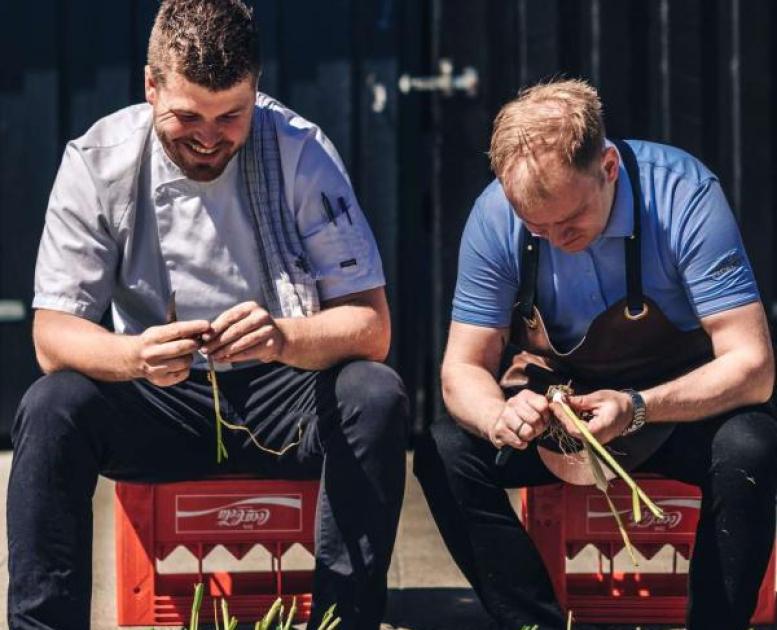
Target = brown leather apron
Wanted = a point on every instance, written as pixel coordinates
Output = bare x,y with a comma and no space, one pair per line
632,344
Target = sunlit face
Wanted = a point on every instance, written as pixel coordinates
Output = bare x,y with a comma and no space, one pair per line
200,130
577,207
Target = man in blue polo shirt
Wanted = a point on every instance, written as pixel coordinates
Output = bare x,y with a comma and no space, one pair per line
618,266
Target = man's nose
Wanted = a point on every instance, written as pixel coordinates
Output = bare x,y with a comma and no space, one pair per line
208,136
557,235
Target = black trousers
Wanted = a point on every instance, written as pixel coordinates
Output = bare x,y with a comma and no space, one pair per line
731,458
69,429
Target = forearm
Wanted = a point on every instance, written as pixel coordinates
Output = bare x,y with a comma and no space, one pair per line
64,341
348,331
472,396
733,380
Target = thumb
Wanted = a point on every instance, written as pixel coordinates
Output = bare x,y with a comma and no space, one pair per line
580,402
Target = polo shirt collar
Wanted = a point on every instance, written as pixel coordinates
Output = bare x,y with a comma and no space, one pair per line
621,221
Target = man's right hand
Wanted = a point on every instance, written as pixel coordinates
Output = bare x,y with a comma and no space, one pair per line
163,354
523,418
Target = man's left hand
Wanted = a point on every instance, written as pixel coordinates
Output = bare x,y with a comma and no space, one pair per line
611,412
245,332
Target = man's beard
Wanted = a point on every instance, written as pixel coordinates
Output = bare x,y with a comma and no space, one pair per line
197,167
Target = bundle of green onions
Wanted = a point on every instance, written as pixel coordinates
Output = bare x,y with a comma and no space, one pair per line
598,455
273,616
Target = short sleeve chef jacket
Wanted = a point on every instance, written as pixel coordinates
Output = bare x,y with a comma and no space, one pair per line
122,220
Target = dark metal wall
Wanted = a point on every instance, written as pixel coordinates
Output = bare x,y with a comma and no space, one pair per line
696,73
64,65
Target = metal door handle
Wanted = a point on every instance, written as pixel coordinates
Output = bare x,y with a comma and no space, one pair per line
12,311
444,82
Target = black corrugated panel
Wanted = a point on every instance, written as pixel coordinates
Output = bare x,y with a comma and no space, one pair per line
29,133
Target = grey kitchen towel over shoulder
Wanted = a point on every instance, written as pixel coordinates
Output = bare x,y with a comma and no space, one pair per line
287,284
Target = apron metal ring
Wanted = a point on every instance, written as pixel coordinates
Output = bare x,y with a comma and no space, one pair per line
639,315
530,322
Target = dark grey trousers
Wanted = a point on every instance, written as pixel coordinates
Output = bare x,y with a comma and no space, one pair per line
69,429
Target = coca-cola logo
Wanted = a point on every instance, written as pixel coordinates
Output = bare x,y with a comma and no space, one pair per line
676,511
235,517
238,513
670,520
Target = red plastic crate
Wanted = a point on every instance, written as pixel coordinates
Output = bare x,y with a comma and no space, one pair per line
563,519
154,519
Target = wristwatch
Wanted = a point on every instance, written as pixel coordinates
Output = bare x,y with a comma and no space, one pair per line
640,412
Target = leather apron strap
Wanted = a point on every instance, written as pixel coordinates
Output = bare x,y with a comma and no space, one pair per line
634,297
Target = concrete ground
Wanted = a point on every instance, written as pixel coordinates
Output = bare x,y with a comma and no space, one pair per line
427,590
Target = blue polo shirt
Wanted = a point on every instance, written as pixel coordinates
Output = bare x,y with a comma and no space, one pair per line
693,261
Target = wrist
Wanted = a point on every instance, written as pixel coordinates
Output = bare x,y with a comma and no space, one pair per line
129,354
490,418
285,329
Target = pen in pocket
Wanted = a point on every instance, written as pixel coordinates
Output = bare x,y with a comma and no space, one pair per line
344,209
330,214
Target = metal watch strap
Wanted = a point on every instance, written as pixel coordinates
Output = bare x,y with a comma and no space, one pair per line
639,415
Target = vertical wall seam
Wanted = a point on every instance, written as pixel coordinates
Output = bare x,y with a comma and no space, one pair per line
736,106
666,95
596,42
523,41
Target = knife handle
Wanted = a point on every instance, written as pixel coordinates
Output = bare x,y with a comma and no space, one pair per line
503,456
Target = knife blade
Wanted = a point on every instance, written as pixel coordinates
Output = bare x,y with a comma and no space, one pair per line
170,313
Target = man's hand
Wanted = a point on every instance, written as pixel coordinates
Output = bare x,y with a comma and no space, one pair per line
163,354
611,412
523,418
245,332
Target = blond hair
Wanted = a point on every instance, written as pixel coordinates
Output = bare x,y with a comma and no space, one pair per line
561,119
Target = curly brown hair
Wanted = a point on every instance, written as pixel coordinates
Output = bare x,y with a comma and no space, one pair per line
213,43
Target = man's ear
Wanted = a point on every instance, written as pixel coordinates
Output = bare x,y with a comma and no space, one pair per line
151,86
610,164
